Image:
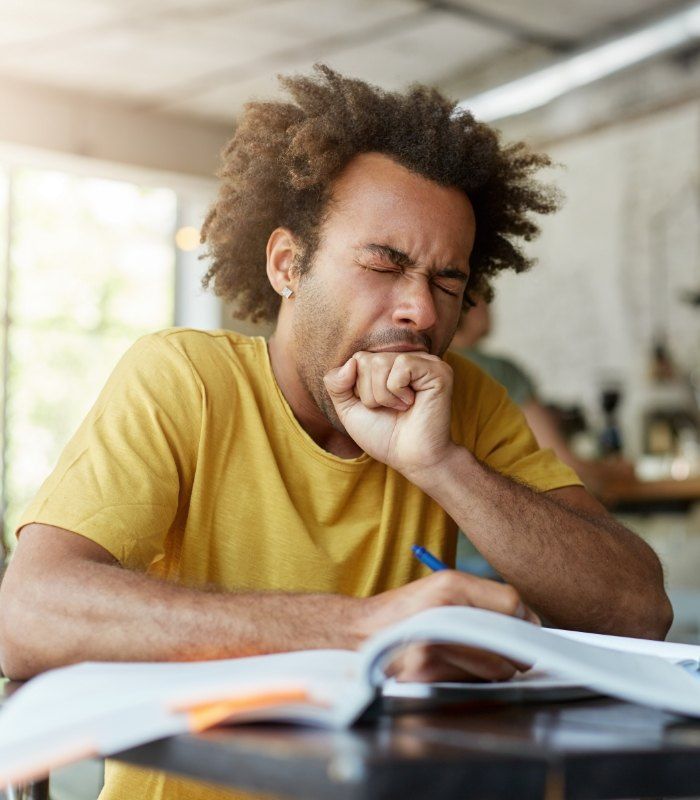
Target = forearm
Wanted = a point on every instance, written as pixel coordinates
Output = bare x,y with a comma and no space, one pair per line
65,599
578,570
94,611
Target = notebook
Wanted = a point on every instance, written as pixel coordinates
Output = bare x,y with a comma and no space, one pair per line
96,709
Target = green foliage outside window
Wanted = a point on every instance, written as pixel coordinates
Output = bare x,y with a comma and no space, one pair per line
92,268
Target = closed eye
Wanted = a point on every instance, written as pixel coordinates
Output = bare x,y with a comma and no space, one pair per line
367,267
451,290
398,271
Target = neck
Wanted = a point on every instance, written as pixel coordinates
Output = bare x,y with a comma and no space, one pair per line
303,405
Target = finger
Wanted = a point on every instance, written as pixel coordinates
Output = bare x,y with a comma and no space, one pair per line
429,663
399,380
473,660
501,597
380,373
339,384
363,384
452,587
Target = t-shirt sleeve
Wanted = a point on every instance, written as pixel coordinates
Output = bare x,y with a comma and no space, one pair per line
493,427
128,470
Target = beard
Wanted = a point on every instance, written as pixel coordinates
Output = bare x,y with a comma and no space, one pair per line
317,330
322,340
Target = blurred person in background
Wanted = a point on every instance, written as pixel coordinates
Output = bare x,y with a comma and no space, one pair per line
475,326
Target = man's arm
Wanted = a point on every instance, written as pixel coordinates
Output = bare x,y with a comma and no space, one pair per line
561,550
65,599
569,559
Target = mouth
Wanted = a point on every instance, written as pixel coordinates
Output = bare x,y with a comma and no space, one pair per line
401,348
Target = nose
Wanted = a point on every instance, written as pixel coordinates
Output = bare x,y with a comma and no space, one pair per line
415,305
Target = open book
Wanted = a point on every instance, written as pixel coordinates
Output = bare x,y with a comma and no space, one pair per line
102,708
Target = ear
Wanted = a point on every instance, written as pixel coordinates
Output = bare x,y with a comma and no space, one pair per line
282,251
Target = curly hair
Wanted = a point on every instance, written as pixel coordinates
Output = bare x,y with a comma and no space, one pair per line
278,168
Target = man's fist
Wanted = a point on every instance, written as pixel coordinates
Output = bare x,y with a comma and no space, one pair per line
395,406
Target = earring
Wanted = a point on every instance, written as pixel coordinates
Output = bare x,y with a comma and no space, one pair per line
287,292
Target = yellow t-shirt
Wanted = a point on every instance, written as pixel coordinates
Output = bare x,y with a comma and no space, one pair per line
192,467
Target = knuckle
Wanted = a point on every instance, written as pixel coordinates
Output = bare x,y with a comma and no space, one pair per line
378,365
445,584
392,382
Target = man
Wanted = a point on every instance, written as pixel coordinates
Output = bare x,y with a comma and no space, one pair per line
223,498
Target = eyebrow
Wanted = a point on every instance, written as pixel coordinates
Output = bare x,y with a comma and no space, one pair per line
402,259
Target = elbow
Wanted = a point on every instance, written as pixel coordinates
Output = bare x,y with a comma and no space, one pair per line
667,619
651,619
646,611
658,610
18,654
13,662
661,616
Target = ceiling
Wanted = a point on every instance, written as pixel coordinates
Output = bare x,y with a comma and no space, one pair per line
204,58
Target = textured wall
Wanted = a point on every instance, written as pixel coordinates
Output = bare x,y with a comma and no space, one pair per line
611,264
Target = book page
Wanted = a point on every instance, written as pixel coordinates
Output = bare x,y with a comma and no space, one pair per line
101,708
639,677
670,651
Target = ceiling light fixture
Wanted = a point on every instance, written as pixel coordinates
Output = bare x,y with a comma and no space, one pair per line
541,87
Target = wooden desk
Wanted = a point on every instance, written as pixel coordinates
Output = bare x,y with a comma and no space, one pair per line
579,750
647,496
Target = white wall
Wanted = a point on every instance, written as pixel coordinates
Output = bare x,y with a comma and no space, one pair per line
589,309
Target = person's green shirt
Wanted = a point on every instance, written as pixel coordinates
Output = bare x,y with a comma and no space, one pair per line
519,385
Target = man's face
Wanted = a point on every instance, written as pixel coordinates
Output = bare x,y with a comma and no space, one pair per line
389,273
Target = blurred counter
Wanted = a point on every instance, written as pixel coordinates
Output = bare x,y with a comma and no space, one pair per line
665,495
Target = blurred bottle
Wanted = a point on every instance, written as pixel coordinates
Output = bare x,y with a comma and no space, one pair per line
611,435
670,407
661,369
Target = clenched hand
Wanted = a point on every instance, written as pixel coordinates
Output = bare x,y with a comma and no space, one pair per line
395,406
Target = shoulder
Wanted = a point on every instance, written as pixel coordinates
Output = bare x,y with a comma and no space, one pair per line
194,343
186,359
476,396
205,353
480,403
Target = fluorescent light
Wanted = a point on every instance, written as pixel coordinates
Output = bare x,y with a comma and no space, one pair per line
585,67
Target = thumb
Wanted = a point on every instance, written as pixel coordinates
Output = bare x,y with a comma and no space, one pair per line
340,382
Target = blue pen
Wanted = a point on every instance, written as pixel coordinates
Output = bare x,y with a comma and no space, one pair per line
427,558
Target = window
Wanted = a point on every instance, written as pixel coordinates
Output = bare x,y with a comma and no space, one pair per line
87,265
